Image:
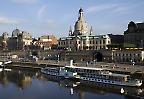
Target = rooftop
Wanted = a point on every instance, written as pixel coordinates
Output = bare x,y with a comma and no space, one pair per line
88,68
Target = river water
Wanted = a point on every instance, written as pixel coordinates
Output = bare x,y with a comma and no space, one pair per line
26,84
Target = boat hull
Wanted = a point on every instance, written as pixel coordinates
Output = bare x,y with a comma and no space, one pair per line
99,77
94,80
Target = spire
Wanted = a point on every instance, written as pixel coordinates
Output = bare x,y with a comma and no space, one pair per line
70,31
91,30
81,14
81,10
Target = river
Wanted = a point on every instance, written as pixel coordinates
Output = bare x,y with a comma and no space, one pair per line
27,84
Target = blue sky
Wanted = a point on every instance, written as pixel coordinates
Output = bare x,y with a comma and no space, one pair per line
42,17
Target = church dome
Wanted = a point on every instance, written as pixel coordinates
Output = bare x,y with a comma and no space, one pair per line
78,25
16,32
81,26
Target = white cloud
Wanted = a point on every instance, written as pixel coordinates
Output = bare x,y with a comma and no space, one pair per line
41,11
98,8
121,10
25,1
4,20
109,7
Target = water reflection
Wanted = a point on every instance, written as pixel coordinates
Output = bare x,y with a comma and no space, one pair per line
39,86
20,79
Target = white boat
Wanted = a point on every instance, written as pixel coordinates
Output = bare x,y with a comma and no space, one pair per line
101,75
59,71
7,62
96,75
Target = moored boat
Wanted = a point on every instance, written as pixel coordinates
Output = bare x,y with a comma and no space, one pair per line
59,71
101,75
92,75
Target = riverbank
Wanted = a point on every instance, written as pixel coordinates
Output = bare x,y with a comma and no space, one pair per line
135,70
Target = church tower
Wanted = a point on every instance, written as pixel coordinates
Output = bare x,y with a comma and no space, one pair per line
91,30
70,31
81,27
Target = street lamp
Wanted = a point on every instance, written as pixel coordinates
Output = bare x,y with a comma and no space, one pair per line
58,58
94,62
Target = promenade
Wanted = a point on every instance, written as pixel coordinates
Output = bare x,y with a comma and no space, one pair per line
114,67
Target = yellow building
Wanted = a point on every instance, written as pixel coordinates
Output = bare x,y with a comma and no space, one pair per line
46,42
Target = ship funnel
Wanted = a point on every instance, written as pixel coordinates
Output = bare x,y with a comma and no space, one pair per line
71,62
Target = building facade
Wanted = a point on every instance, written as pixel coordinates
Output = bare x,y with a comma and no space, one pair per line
133,56
20,40
4,40
79,38
82,39
90,42
134,35
45,42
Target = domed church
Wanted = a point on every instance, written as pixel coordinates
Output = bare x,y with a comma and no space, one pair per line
81,27
81,37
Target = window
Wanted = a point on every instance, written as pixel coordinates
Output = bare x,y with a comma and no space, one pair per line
100,47
83,42
95,47
93,41
138,54
104,47
100,41
103,41
96,42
